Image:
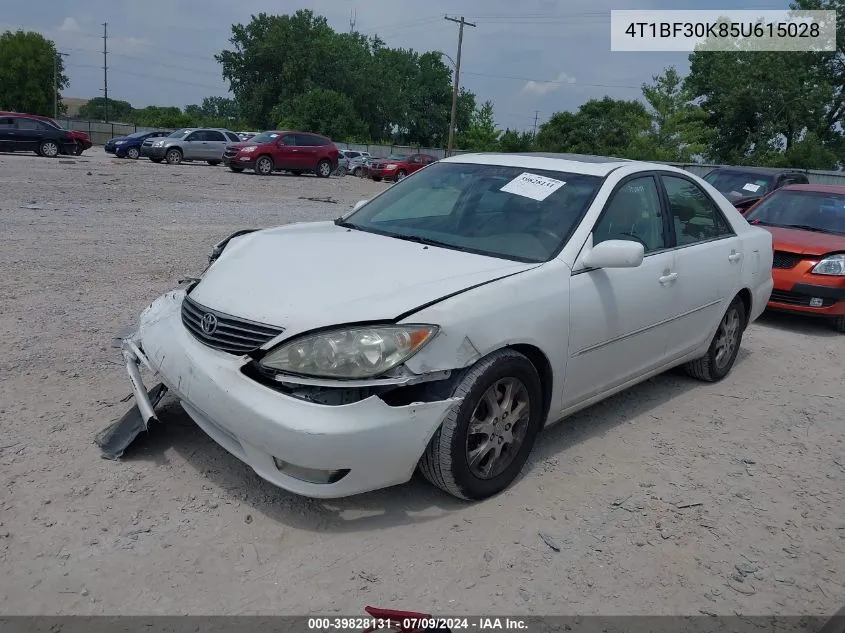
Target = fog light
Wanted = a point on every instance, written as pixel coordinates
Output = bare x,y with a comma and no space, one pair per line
816,302
310,475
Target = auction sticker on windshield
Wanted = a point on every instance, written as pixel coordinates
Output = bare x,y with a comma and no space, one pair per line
533,186
752,187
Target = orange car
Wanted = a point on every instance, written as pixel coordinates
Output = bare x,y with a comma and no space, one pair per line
807,223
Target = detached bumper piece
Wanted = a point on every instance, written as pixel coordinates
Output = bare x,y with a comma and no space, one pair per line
116,438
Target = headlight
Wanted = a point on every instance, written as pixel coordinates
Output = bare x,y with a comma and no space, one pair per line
831,265
391,166
354,352
158,144
119,142
251,148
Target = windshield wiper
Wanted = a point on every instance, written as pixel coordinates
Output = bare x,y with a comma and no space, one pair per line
422,240
347,225
807,227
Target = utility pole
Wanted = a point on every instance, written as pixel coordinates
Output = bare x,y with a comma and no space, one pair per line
353,14
462,23
536,114
106,68
56,83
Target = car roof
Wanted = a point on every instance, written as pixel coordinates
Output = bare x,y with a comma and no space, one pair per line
768,171
575,163
816,188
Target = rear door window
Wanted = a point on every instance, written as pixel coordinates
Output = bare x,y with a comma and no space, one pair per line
214,135
233,137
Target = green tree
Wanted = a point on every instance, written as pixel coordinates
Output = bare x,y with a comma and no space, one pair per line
606,127
27,62
95,110
397,94
322,111
678,129
513,141
482,135
163,117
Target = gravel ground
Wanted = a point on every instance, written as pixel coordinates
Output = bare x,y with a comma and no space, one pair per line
675,497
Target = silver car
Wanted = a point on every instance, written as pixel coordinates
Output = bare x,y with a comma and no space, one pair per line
357,161
188,144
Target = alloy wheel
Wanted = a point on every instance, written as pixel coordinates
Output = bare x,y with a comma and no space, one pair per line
498,428
727,338
50,149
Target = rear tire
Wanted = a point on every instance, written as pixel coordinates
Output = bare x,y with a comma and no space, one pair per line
133,153
324,169
48,149
173,157
448,460
720,356
839,324
358,172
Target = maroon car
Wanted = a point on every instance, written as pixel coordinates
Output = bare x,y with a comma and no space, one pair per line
396,166
296,152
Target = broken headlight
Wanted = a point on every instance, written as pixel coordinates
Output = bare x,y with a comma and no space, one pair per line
349,353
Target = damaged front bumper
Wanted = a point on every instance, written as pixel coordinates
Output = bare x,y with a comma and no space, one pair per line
312,449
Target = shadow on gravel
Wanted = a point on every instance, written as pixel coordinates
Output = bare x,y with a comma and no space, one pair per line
788,322
414,502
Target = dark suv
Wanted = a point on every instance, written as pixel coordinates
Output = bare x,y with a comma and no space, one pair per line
21,133
744,186
296,152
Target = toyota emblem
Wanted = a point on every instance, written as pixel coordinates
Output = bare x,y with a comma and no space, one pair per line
209,323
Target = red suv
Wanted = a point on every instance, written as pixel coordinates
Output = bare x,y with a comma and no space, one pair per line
296,152
80,139
397,166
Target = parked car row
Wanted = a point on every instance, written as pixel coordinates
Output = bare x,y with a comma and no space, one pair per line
21,132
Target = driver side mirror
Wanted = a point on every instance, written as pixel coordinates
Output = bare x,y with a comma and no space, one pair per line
615,254
359,204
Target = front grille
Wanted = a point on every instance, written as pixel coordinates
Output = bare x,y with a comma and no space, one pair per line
782,259
796,299
230,153
232,334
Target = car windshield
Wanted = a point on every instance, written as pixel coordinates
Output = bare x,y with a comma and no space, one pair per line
486,209
808,210
738,184
136,135
396,157
264,137
177,133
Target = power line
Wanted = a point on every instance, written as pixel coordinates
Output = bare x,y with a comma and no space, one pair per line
462,24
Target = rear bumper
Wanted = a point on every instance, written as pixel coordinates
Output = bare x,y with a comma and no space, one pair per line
153,152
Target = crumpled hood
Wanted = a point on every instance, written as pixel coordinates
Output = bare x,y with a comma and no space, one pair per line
310,275
805,242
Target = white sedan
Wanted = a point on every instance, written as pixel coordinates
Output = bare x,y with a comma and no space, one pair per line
442,324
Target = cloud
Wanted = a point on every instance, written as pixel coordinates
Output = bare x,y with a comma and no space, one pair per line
545,87
70,25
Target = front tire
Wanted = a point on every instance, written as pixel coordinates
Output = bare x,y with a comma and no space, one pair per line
264,166
484,442
133,153
48,149
79,149
401,175
173,157
720,356
358,172
324,169
237,170
839,324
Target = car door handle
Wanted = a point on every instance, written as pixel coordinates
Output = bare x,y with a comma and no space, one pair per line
734,256
667,279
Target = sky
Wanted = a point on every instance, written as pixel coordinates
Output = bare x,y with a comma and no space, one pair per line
544,57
